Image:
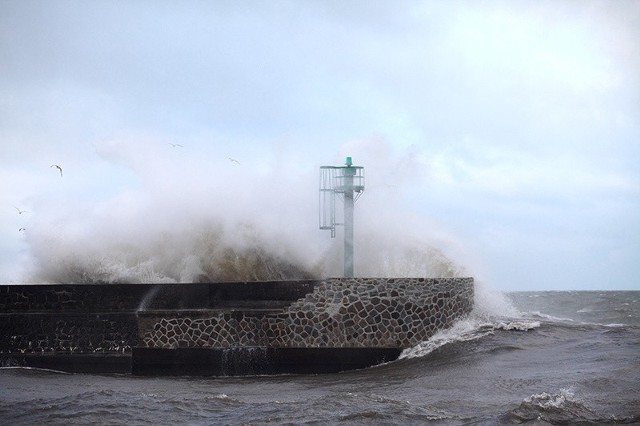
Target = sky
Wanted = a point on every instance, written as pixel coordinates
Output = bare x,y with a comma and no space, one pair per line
502,136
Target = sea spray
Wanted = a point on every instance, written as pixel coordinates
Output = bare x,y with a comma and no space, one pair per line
491,302
210,254
192,216
190,256
492,311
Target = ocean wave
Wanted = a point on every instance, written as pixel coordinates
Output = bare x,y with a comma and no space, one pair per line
615,325
518,325
373,407
463,330
562,321
560,407
493,311
214,247
538,314
468,329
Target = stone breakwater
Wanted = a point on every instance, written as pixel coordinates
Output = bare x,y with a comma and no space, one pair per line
338,313
227,328
103,318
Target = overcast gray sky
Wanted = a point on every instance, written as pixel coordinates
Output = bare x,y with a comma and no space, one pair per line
506,134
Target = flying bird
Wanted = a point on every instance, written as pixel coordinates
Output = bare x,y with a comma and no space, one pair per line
176,145
57,167
234,161
22,229
20,211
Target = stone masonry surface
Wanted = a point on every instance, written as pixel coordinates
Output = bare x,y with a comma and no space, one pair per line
340,312
103,318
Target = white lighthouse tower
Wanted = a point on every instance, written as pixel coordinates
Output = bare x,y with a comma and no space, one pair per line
346,182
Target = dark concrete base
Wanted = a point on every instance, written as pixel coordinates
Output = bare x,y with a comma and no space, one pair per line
208,362
71,363
255,361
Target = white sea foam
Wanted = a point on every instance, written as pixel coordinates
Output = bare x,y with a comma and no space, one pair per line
564,399
551,400
539,314
561,407
492,311
471,328
463,330
518,325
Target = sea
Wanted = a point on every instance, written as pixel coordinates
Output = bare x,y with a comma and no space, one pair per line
560,357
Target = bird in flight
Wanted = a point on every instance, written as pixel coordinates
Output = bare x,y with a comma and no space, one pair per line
176,145
20,211
22,229
234,161
57,167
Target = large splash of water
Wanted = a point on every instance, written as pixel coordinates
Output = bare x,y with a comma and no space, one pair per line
187,217
209,253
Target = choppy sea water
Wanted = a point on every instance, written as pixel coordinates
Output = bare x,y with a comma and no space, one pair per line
535,357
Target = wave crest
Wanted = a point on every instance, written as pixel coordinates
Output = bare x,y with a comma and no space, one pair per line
211,252
561,407
473,327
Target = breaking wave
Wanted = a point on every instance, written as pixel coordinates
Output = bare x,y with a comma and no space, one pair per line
487,317
464,330
217,253
560,407
191,216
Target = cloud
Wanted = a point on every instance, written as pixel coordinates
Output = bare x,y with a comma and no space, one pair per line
484,123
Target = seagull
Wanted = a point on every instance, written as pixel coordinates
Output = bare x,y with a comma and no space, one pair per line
176,145
234,161
20,211
22,229
57,167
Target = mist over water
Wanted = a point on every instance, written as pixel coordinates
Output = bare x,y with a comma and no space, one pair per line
191,214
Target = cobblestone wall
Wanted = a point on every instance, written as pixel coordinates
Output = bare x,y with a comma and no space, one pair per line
355,312
102,318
